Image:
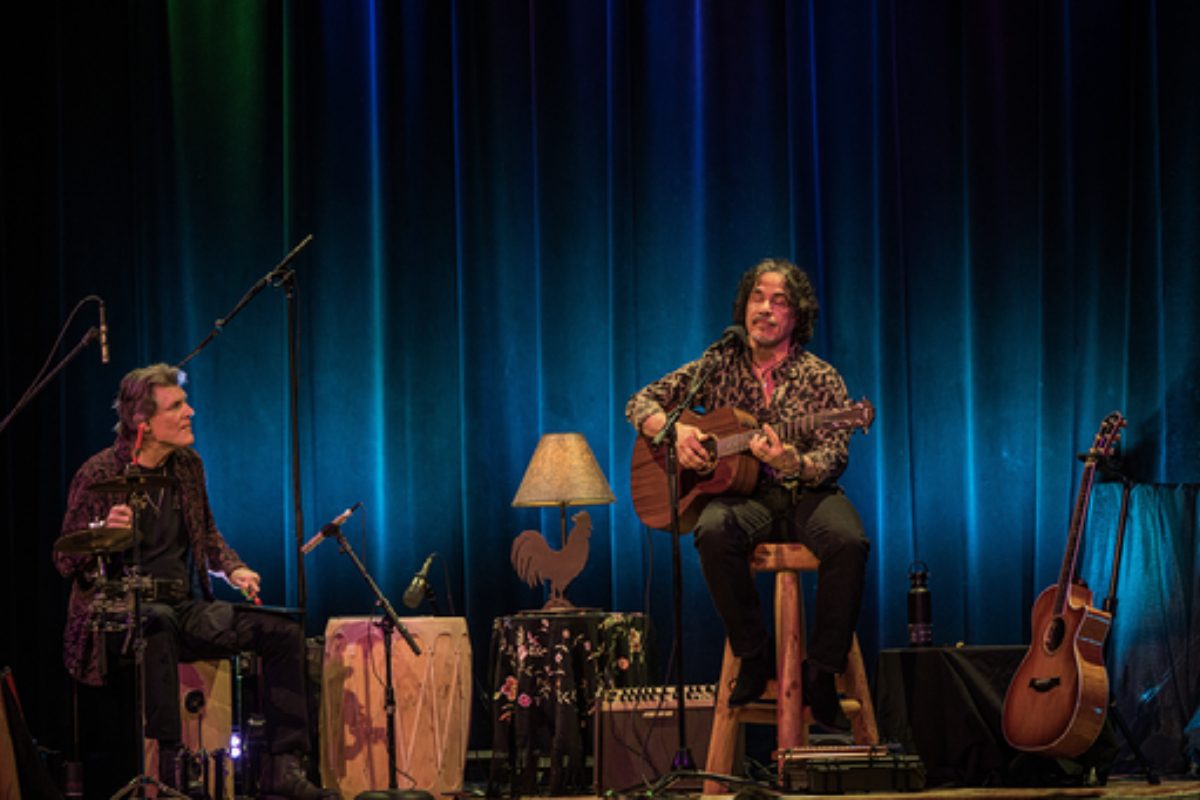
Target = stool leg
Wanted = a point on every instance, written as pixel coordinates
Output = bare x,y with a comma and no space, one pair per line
723,740
853,683
791,731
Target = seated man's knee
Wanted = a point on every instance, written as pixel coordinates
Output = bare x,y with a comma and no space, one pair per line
280,635
159,618
717,531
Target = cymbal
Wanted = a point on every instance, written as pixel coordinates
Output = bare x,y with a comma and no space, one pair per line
131,483
101,539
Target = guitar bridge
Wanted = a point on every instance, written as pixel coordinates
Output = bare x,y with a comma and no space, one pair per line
1044,684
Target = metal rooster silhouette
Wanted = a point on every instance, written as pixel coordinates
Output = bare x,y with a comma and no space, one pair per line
535,561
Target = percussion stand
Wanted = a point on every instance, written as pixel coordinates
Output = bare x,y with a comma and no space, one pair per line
136,785
389,622
97,624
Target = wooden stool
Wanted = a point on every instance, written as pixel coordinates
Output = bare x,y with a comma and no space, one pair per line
788,713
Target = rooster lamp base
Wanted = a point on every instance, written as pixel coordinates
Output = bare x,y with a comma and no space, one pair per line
535,561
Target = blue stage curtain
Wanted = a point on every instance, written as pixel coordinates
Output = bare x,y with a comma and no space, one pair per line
1154,647
524,211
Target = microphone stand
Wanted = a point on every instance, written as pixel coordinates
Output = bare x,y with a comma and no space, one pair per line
389,622
682,765
284,277
36,389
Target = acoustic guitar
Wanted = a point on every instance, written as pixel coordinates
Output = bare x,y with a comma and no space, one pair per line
736,471
1058,698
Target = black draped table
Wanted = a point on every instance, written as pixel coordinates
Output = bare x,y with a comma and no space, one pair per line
944,704
547,670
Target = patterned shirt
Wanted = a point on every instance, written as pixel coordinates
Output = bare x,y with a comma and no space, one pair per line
804,384
210,552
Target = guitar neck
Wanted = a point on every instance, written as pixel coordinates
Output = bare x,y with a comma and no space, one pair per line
1078,518
740,442
1102,446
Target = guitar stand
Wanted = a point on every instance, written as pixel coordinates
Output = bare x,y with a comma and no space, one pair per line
1110,605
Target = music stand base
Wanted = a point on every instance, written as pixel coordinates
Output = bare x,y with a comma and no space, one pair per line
664,782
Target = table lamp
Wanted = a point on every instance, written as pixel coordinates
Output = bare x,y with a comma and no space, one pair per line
563,472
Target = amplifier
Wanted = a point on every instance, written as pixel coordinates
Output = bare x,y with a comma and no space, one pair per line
637,734
651,698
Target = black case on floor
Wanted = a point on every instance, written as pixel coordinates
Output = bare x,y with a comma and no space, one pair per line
882,772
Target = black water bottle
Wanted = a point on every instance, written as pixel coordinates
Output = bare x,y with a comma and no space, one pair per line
920,606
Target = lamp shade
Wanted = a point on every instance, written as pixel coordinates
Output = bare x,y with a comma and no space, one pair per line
563,472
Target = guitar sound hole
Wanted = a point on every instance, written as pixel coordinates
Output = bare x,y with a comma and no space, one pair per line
1054,634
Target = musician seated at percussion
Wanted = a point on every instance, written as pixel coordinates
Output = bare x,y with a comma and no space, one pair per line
773,377
179,550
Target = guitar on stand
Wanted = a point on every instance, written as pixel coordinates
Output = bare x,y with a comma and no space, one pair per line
1058,698
736,471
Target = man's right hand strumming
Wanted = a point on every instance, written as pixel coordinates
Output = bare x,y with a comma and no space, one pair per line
689,442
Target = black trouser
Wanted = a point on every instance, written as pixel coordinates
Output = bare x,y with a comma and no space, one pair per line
193,630
825,522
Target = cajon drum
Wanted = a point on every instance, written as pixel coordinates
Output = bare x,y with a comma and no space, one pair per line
209,728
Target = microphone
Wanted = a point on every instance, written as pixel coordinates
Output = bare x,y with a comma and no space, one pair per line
415,592
333,525
103,335
734,333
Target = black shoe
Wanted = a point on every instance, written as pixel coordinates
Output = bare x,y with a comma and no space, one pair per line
753,676
821,695
284,777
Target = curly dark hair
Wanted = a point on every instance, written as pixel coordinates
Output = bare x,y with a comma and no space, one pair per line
801,296
135,398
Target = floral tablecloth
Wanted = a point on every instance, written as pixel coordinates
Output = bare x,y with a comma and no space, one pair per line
547,670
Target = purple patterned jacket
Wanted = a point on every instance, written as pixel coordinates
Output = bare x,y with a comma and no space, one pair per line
210,552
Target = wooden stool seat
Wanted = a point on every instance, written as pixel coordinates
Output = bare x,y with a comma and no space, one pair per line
787,712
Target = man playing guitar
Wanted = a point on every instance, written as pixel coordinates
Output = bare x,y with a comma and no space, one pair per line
774,379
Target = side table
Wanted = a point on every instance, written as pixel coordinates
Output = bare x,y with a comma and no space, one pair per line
547,670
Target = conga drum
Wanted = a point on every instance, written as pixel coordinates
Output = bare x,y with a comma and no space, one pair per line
433,705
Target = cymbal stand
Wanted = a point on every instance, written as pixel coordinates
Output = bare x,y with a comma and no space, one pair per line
136,785
99,625
100,608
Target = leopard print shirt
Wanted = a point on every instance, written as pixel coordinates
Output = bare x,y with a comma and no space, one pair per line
804,384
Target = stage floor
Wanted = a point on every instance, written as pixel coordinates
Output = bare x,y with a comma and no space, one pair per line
1117,787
